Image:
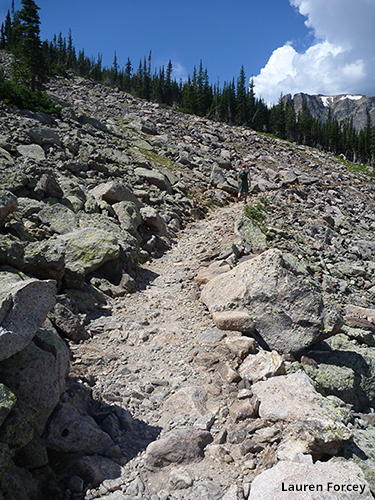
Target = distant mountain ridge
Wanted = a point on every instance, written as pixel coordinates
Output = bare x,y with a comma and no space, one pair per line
342,106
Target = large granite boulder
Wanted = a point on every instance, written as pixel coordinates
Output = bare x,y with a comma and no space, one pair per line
42,259
338,480
37,374
24,305
114,192
154,177
313,424
285,308
70,432
86,250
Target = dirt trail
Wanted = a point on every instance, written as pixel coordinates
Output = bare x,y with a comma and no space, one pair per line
159,340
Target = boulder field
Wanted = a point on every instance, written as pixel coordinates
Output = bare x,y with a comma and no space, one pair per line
160,340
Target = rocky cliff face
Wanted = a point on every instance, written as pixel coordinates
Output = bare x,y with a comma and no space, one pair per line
358,107
86,201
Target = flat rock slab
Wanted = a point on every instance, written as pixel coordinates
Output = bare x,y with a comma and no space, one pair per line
339,480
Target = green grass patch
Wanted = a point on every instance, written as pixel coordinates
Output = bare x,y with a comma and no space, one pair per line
258,211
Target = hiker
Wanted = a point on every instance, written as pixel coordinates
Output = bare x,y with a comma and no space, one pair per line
243,182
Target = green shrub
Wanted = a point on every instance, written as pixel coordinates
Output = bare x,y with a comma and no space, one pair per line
21,96
257,212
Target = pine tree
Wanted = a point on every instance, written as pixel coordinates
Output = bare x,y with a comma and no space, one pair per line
251,103
30,66
241,104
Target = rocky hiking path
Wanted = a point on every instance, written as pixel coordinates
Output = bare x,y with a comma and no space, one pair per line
158,341
193,426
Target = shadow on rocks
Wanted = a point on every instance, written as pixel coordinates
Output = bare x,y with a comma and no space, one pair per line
144,278
343,373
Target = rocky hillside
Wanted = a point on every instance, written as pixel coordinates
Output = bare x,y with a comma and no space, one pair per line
155,346
358,107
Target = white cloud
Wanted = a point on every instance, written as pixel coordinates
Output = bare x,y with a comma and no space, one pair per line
179,71
341,60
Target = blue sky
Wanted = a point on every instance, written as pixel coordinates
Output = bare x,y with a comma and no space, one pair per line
290,46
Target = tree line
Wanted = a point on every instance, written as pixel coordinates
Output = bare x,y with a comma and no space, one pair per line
234,102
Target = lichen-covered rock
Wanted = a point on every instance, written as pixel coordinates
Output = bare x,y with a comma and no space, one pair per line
12,176
7,401
42,259
86,250
344,369
310,419
128,244
251,233
59,218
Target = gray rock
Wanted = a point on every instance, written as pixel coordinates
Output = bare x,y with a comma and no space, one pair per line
86,250
210,336
135,488
128,215
323,477
206,490
314,424
154,177
8,204
179,479
176,447
153,220
37,374
70,432
32,151
92,469
114,192
49,187
7,402
234,492
44,136
68,324
23,308
287,311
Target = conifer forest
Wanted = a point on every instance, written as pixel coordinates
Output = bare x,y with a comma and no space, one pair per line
234,102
